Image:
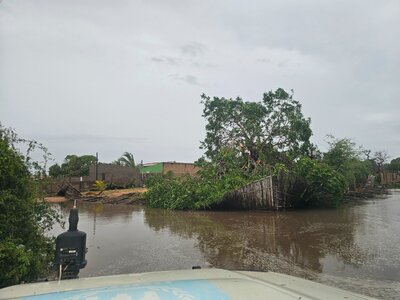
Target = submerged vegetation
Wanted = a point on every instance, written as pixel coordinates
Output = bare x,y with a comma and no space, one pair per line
246,141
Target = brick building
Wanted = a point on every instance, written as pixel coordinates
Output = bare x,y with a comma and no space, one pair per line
118,175
176,168
109,173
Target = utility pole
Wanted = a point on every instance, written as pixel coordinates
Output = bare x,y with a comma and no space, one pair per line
97,166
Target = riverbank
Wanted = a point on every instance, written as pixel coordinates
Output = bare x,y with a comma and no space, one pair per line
123,196
135,196
366,193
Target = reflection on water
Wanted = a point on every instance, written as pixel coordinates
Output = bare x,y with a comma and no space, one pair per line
356,247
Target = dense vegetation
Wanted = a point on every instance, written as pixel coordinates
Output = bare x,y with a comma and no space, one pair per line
25,252
73,165
246,141
394,165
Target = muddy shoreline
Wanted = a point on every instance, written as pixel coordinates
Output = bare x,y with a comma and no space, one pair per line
133,196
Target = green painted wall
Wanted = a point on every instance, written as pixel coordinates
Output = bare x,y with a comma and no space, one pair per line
156,168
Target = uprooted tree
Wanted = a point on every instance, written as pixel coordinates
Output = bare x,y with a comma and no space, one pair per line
246,141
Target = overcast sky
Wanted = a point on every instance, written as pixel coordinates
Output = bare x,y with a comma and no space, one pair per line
85,76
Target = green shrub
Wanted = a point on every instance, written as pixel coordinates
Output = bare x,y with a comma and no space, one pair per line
324,187
166,191
99,185
25,251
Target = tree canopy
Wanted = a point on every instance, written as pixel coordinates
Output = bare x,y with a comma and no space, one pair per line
394,165
73,165
55,170
263,132
345,157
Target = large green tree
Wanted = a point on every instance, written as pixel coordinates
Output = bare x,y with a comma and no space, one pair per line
25,251
73,165
264,132
394,165
78,165
345,157
55,170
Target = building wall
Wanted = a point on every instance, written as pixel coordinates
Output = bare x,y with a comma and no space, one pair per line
179,169
151,168
118,175
56,184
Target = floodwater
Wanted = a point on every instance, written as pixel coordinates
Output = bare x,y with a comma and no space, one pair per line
356,247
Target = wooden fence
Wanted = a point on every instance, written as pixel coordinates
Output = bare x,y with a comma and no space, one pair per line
260,194
389,178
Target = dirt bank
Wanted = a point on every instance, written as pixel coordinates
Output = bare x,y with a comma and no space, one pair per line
124,196
366,193
55,199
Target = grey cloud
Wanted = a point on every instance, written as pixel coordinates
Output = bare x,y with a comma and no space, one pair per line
201,65
157,59
187,78
263,60
283,63
193,49
166,59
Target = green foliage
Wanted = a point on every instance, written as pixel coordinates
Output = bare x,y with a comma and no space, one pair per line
12,255
126,160
24,250
73,165
262,133
344,157
201,192
340,152
323,186
288,130
394,165
55,170
166,191
99,185
78,165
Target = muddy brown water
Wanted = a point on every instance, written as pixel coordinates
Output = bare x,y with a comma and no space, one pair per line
356,247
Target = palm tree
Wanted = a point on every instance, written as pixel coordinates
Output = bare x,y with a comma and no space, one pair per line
126,160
